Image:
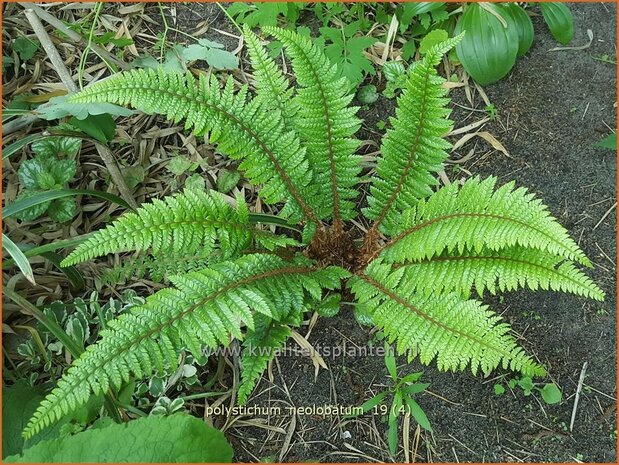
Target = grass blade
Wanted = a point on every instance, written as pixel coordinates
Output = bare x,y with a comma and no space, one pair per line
26,203
19,258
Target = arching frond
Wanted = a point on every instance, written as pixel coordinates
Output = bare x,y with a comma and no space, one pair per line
186,223
249,131
326,123
457,332
204,309
497,271
414,149
476,217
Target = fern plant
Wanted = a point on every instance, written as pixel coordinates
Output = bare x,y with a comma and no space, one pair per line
412,273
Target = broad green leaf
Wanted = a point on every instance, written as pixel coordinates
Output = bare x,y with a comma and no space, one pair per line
221,59
415,388
46,180
392,436
347,54
195,181
175,439
431,39
30,172
418,414
392,433
329,306
75,329
179,164
57,145
25,48
133,175
19,402
212,53
488,50
108,38
33,205
499,389
145,61
101,127
367,94
62,210
392,70
62,170
523,24
551,393
374,401
20,260
210,43
411,377
408,50
254,14
559,19
227,180
407,11
363,315
526,384
609,142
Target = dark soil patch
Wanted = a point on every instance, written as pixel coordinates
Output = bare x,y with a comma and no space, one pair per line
552,110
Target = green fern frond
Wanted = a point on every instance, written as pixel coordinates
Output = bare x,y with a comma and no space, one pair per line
159,268
414,150
497,271
259,348
325,123
475,217
186,223
204,310
271,84
272,156
456,332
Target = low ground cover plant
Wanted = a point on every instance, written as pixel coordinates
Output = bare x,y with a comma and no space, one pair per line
414,273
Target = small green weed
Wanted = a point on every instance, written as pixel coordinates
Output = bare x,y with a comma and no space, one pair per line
49,170
403,391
